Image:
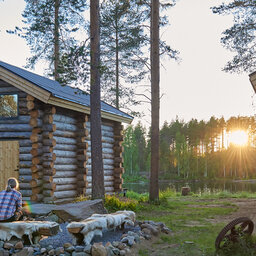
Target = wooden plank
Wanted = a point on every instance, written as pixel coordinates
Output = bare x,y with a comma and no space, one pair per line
9,161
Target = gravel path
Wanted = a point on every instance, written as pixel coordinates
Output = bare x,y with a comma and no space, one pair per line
64,237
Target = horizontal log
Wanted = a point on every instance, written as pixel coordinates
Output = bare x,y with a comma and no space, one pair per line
103,127
47,178
105,161
30,98
107,189
104,155
82,184
19,120
82,145
25,178
49,186
30,105
65,147
36,113
119,160
24,186
106,172
15,127
50,110
119,149
65,134
36,183
37,175
20,135
36,151
25,171
49,127
47,135
37,190
49,157
82,157
35,137
67,141
63,181
36,145
37,130
25,164
50,172
65,160
68,167
37,198
49,142
26,192
82,170
66,187
25,143
48,119
65,174
105,167
36,168
118,187
35,122
64,119
65,126
65,194
62,153
36,160
25,157
48,164
119,170
106,178
47,149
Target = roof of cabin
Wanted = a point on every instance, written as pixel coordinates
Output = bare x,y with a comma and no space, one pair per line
65,93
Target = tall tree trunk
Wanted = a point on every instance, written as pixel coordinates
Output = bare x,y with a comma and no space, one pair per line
154,187
56,40
117,67
95,114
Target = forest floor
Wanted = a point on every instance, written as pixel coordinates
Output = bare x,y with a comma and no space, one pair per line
195,224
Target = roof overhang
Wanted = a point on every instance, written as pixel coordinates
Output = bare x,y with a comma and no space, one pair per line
48,98
252,77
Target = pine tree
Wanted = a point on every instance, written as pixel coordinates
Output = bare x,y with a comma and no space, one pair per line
240,38
50,27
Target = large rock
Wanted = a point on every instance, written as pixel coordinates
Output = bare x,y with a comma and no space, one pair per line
71,211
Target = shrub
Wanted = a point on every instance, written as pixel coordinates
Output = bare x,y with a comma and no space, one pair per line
114,203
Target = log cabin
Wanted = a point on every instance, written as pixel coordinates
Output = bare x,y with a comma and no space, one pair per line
45,138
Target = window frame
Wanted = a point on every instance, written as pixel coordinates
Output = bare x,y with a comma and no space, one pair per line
12,117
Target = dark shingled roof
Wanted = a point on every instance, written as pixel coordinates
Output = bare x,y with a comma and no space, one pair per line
63,92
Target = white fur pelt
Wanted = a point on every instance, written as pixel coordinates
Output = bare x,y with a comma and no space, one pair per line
95,224
20,228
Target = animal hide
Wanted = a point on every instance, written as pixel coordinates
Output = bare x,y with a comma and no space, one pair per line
97,223
21,228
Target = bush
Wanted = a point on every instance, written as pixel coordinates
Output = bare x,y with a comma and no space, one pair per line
114,203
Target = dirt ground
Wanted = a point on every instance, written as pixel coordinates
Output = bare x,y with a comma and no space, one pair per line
246,208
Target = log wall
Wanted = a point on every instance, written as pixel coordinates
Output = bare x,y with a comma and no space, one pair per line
19,129
55,150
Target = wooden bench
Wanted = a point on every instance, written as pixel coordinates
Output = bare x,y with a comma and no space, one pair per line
85,230
28,231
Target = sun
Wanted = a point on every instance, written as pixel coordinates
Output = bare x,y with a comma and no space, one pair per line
238,137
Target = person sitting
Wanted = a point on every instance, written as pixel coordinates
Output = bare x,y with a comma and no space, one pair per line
10,202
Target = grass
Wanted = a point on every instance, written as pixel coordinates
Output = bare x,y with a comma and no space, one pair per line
189,219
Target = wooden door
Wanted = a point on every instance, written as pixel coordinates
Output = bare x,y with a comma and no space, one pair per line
9,161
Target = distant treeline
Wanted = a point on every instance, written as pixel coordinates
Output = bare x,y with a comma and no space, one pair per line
194,149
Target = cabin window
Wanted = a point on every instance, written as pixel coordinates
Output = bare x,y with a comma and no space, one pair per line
8,106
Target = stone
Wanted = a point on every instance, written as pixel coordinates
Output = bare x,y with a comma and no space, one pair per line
88,249
115,243
121,246
43,250
116,251
8,246
146,231
51,252
128,240
166,230
98,250
152,229
122,252
70,249
147,236
59,250
79,248
49,247
26,251
1,244
66,245
19,245
80,254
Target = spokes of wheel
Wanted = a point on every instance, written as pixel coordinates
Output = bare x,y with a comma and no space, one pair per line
233,230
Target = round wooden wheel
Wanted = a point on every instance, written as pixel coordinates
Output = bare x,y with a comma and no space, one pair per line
233,230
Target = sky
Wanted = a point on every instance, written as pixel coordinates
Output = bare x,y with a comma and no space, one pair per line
193,88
